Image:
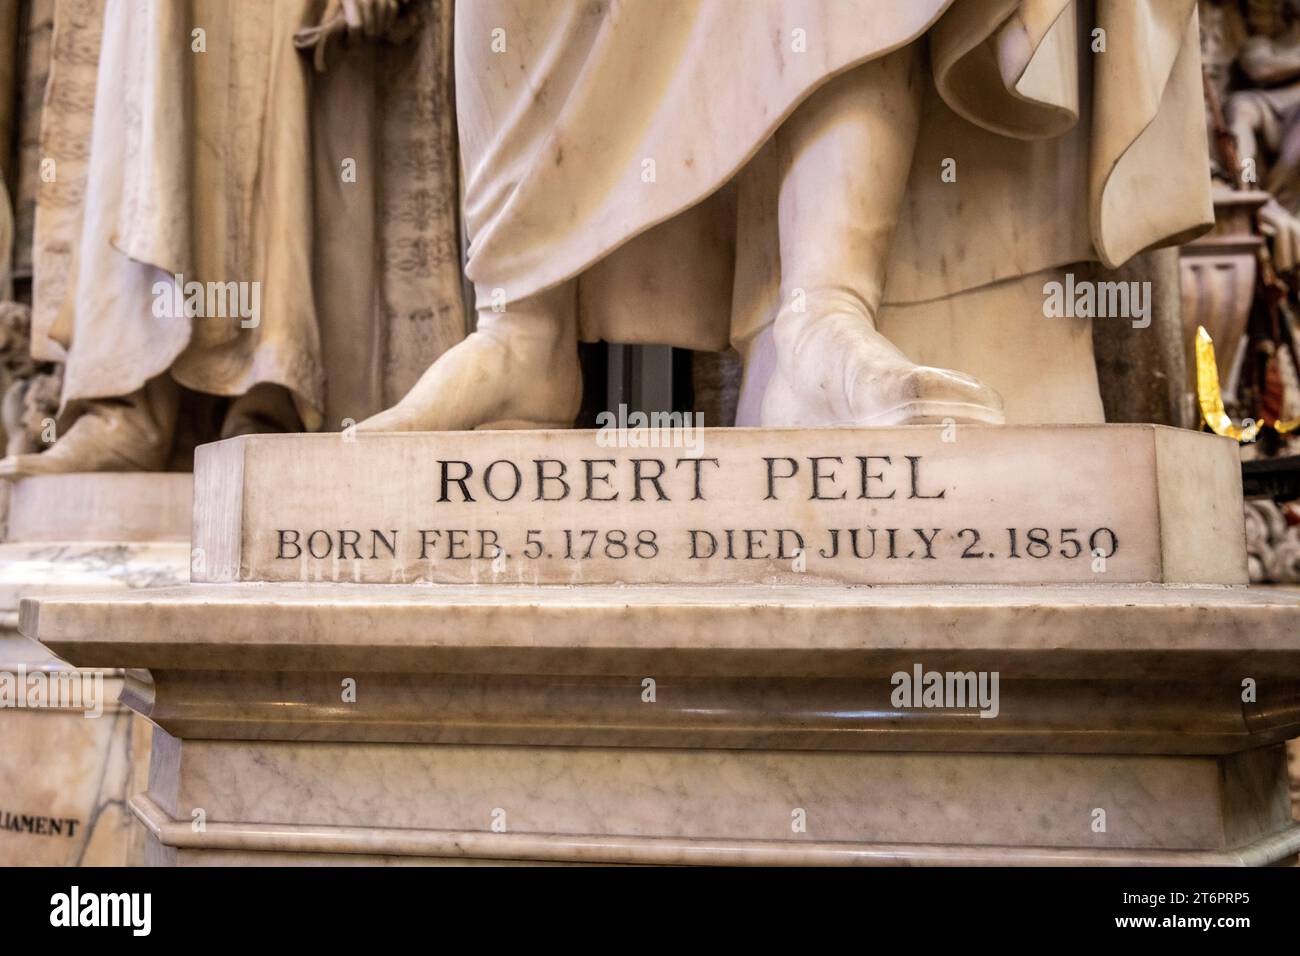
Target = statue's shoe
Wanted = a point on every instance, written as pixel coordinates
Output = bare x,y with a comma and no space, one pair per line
491,381
834,368
106,438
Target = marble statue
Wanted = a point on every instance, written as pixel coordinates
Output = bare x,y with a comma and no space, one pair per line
1251,51
835,188
1253,66
1262,115
308,195
867,200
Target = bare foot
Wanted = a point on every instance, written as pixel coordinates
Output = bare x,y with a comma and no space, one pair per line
517,371
110,436
834,368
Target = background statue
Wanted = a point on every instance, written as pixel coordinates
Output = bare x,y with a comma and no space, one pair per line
29,390
1252,54
318,189
865,199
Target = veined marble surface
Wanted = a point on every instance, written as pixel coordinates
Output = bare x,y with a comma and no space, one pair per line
1108,505
313,722
65,778
282,802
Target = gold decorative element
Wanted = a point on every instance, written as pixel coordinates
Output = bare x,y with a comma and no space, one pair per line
1211,398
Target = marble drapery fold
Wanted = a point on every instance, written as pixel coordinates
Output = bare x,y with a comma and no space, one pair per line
1061,154
226,165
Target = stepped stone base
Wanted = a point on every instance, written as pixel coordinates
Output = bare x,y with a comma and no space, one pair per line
710,725
521,646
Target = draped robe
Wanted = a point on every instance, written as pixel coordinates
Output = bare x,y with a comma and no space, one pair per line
627,144
221,159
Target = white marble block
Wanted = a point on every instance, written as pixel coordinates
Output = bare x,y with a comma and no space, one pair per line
1087,504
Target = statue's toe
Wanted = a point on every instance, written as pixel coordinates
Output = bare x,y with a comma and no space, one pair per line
13,467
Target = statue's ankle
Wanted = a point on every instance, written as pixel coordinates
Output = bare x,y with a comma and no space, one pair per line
810,303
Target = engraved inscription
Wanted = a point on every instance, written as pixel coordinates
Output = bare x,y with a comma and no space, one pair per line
498,510
37,825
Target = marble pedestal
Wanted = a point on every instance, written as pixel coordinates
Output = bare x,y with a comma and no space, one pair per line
65,778
493,710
